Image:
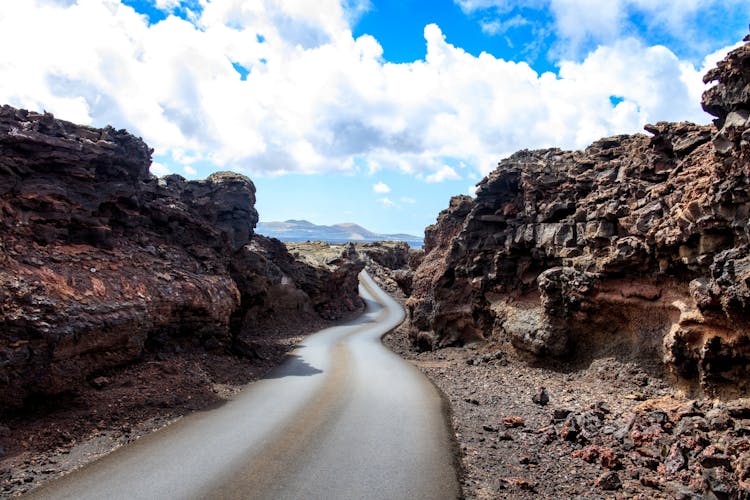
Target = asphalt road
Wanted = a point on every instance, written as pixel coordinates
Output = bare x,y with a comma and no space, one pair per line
343,418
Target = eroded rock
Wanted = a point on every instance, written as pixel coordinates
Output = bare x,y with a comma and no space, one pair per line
636,246
100,260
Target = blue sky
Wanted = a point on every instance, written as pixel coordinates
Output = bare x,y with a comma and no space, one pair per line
373,112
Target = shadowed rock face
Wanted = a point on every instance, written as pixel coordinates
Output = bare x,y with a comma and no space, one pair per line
635,247
100,260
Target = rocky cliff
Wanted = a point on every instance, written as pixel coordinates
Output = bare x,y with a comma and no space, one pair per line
101,262
636,247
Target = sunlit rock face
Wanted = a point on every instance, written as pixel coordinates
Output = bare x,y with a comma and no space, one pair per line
636,247
100,260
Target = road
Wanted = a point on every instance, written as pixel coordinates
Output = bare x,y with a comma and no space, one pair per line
342,418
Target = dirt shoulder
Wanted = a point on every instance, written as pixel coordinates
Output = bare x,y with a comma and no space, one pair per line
608,430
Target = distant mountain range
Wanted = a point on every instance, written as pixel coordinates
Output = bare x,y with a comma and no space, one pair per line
302,230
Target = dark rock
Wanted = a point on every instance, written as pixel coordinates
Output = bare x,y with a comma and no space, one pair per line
588,252
719,483
609,481
709,459
540,397
739,408
560,413
676,460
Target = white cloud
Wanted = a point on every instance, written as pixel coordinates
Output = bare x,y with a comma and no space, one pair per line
190,171
386,202
407,200
445,173
498,27
318,100
582,20
381,188
579,24
166,4
159,169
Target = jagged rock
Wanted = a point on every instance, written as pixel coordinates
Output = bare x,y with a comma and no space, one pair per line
100,261
636,245
609,481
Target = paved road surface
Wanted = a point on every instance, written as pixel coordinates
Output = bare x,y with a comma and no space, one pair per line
343,418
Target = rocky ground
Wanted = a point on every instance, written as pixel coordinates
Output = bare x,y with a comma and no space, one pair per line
609,429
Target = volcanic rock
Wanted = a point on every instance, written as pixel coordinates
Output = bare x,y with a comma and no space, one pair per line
636,247
100,261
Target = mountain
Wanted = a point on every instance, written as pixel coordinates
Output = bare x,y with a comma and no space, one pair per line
302,230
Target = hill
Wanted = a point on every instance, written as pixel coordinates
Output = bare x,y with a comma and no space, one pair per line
302,230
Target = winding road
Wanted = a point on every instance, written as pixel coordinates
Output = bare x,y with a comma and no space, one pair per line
342,418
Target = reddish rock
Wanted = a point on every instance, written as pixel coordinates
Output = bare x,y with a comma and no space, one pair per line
100,261
589,454
609,460
571,428
513,422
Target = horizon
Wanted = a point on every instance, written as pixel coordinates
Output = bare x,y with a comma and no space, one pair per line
371,111
337,224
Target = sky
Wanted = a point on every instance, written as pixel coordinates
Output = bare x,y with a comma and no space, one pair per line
367,111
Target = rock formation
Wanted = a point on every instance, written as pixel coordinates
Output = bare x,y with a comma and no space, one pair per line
635,247
99,260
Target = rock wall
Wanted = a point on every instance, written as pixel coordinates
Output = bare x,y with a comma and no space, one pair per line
100,261
636,247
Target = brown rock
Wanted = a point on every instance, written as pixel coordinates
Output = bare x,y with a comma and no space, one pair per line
513,422
100,261
589,454
609,460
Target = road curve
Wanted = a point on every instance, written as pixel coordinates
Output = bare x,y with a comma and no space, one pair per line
342,418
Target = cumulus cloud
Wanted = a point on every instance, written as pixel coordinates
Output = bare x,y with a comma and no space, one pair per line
381,188
317,100
190,171
386,202
445,173
585,24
